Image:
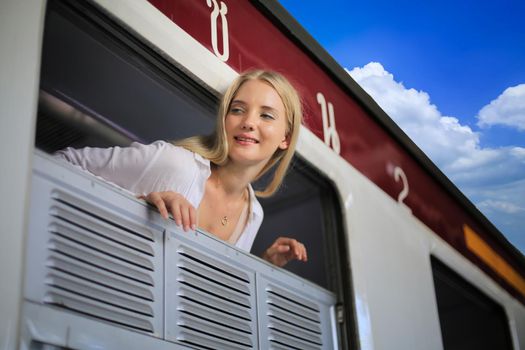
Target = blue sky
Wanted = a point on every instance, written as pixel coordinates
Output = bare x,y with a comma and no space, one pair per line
452,75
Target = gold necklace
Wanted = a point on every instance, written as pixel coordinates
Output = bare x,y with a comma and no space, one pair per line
224,219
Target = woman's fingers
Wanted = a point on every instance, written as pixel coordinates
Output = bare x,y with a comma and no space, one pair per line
285,249
176,212
298,249
174,203
193,218
156,199
188,215
185,214
305,253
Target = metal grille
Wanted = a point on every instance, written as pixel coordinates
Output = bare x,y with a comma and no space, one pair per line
214,303
94,252
99,264
293,321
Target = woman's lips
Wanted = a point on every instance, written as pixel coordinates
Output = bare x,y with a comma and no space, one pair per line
245,140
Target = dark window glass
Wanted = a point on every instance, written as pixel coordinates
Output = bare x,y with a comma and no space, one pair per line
304,208
101,87
469,319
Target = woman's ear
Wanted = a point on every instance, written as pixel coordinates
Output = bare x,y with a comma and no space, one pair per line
285,143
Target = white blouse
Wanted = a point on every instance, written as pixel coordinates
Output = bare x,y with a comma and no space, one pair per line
157,167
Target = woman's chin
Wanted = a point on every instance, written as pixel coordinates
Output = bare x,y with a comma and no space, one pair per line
247,159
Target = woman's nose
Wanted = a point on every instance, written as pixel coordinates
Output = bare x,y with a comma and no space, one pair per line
248,122
247,126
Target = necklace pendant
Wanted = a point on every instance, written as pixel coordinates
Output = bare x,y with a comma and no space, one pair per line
224,220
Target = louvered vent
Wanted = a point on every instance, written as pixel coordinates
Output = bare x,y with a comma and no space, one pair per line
293,322
99,264
214,303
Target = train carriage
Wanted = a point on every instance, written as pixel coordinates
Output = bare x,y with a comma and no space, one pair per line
398,257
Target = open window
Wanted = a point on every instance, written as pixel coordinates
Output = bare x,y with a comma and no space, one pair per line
469,319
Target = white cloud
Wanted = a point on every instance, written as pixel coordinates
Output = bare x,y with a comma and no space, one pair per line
442,138
508,109
506,207
493,178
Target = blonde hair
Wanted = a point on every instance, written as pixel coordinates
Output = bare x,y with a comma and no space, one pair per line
215,146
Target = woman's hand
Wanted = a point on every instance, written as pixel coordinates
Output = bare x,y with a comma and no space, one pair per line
174,203
283,250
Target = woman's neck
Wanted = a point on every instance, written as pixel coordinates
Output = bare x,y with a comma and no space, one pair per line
233,179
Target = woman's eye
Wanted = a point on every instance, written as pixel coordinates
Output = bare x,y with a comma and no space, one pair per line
267,116
236,110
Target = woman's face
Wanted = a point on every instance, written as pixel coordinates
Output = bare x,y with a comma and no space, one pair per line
256,124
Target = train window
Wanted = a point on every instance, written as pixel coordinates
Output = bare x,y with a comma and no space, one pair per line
304,208
99,86
469,319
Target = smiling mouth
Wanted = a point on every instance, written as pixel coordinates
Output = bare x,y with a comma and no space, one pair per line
245,139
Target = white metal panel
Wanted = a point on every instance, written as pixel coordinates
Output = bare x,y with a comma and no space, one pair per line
516,316
392,272
20,42
293,316
65,329
91,251
210,297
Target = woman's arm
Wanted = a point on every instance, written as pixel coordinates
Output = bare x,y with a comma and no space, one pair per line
127,166
123,166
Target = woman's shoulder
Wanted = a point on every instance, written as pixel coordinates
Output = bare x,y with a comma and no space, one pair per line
163,147
182,152
178,156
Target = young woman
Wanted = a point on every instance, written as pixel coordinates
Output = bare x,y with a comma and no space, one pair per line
205,181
